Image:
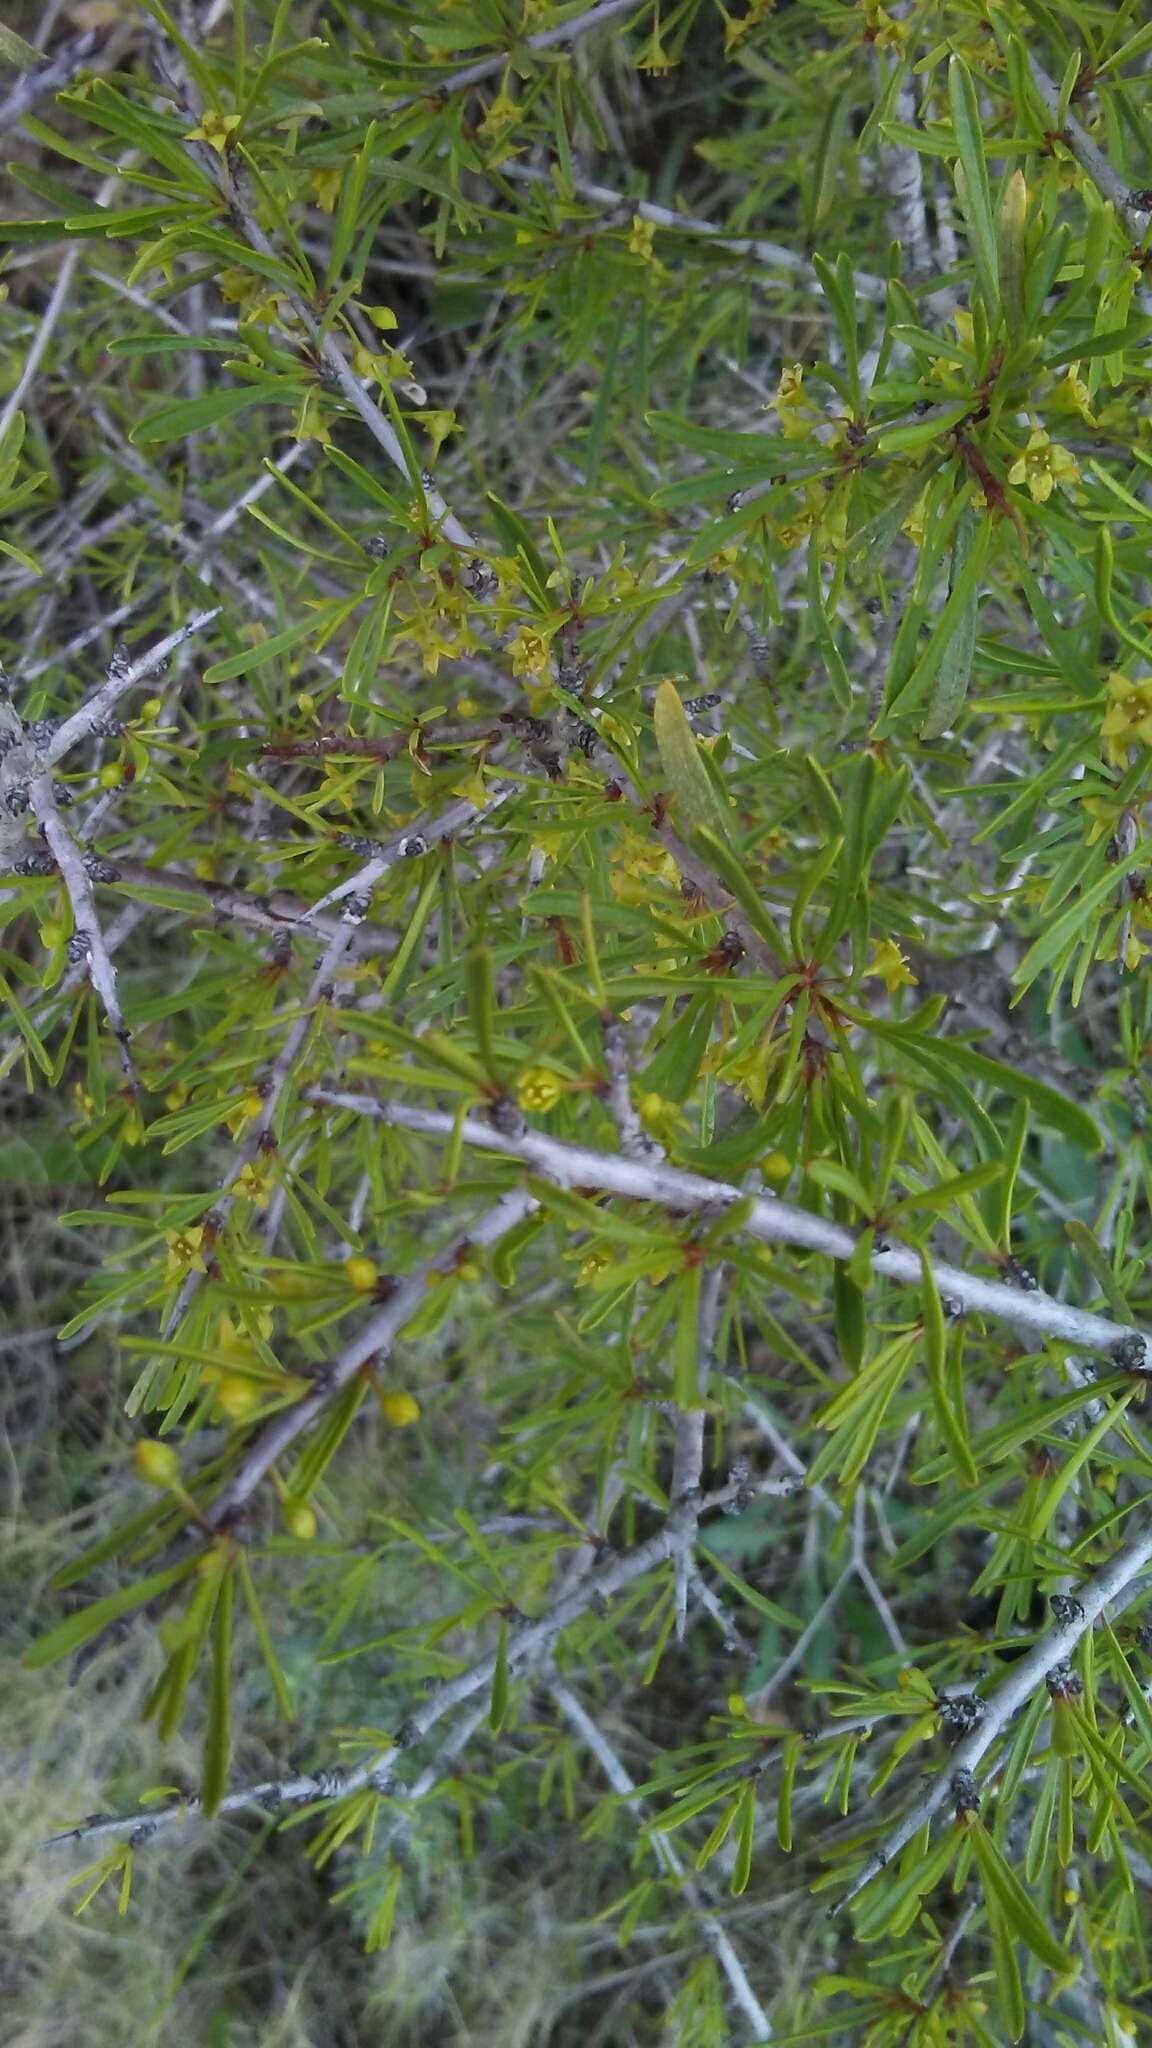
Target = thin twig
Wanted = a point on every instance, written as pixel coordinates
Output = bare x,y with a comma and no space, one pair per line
1118,1580
773,254
1135,217
526,1644
665,1853
122,677
768,1219
544,39
88,936
375,1338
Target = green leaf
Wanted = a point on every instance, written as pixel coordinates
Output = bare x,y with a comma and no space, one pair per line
261,654
955,671
1074,922
191,415
745,1841
974,192
80,1628
690,785
272,1663
217,1742
498,1705
686,1342
1101,1269
25,1027
1003,1888
951,1417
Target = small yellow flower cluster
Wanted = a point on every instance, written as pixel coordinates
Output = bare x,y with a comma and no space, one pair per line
1128,717
1043,465
641,239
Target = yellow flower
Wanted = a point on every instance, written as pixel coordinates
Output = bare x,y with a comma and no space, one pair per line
183,1252
472,788
889,964
881,29
500,115
654,57
254,1183
216,129
400,1410
529,652
634,863
641,238
250,1105
308,425
736,27
1071,394
590,1268
791,405
156,1463
438,423
1043,465
326,189
437,637
538,1090
1128,717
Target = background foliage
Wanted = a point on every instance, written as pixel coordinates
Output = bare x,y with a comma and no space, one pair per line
576,1050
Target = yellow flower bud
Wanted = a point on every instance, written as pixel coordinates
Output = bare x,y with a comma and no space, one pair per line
156,1463
300,1520
399,1409
111,775
361,1274
776,1166
237,1396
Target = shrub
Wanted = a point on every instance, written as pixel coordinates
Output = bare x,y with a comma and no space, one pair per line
575,794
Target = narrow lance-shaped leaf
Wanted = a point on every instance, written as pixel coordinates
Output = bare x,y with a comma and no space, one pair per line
954,674
972,179
217,1740
1003,1887
498,1704
953,1425
745,1842
694,797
